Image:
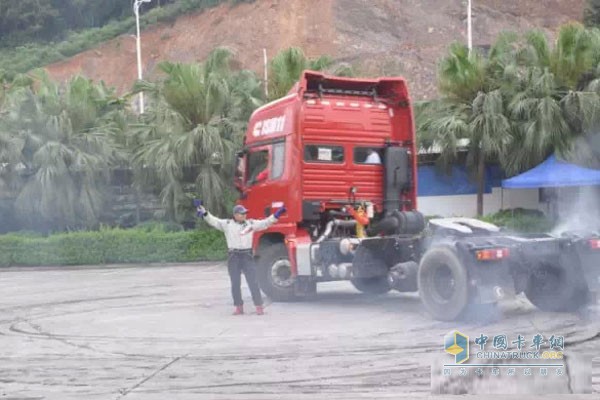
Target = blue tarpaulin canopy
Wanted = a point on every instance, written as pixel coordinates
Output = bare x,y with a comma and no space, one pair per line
433,182
554,173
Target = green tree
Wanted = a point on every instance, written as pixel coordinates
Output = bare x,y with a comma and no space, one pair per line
57,146
196,117
522,102
591,13
287,66
472,108
555,102
26,19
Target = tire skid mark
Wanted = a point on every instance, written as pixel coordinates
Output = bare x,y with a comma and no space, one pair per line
46,315
400,380
39,333
378,372
65,302
375,351
125,392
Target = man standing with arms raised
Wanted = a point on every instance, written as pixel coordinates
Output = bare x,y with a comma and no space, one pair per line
238,234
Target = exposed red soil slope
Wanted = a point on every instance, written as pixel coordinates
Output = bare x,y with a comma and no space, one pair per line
381,37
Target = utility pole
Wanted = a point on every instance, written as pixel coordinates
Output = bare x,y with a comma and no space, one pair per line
136,10
469,27
266,73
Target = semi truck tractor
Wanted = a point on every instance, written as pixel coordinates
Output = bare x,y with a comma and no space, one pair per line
340,154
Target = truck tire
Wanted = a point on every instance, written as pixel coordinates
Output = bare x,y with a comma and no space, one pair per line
550,288
275,274
376,285
443,284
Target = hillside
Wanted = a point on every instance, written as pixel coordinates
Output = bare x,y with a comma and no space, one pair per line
381,37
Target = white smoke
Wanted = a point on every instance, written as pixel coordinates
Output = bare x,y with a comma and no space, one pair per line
577,210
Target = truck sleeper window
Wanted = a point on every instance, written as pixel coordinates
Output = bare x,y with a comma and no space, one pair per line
368,155
317,153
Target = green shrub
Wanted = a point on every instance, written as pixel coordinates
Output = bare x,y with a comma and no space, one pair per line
160,226
149,243
520,220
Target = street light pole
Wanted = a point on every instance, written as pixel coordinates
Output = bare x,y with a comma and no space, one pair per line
266,65
469,27
136,11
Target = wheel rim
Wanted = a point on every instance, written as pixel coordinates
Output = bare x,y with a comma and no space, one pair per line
442,280
281,273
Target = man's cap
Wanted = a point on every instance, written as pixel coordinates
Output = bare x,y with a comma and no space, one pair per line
239,209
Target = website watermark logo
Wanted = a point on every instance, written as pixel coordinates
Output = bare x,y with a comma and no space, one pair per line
515,363
457,344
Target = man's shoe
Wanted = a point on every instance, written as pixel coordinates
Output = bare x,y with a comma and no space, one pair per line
239,310
260,310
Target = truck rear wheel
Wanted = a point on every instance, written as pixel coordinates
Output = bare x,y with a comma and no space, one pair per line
551,289
375,285
275,273
443,284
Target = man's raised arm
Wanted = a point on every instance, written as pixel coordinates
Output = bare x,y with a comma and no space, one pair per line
262,224
210,219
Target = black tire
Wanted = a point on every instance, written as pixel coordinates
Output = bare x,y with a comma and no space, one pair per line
443,284
376,285
551,288
274,273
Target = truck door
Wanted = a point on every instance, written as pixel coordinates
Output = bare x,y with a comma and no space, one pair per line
263,171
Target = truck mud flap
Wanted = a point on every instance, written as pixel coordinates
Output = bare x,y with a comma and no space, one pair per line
490,283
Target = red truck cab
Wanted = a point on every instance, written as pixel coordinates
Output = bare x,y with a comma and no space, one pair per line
323,146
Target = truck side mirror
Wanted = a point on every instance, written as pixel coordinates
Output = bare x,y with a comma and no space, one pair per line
238,184
239,169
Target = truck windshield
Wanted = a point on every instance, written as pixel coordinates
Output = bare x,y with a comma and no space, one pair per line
258,162
262,167
278,160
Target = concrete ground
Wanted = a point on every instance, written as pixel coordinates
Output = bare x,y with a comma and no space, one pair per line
165,332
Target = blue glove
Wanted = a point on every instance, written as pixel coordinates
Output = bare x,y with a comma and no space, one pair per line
200,211
280,211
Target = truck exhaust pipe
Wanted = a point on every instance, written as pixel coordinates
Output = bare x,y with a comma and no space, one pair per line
397,177
329,228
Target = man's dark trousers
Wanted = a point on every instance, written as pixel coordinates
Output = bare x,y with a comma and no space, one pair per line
243,261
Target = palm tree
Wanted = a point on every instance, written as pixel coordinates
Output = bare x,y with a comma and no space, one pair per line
57,150
287,66
472,108
555,103
10,146
521,103
186,140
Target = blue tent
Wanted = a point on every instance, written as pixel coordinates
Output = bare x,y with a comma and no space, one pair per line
554,173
